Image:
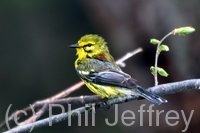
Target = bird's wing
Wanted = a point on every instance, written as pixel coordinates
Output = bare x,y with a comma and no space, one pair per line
112,78
104,73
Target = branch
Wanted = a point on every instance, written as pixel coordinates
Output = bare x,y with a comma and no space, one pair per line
180,31
156,58
121,62
164,89
43,104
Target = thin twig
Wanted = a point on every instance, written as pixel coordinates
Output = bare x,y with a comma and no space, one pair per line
156,58
121,62
57,98
42,103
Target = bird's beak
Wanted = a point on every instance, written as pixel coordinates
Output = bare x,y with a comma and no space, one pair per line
74,46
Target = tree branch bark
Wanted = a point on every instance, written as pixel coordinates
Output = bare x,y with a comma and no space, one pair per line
164,89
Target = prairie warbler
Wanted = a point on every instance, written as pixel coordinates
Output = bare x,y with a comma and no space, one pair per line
98,70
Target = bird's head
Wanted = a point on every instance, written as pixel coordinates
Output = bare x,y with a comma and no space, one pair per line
90,46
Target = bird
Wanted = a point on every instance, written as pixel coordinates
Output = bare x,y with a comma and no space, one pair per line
98,70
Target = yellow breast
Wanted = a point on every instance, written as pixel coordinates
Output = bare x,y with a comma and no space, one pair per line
108,91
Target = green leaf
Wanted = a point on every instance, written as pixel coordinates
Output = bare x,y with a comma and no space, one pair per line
163,48
154,41
153,70
162,72
183,30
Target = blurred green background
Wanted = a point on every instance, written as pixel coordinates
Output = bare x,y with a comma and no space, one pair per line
36,62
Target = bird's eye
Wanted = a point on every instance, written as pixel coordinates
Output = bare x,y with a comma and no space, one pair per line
89,45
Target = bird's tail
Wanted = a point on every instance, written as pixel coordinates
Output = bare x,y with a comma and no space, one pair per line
150,96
